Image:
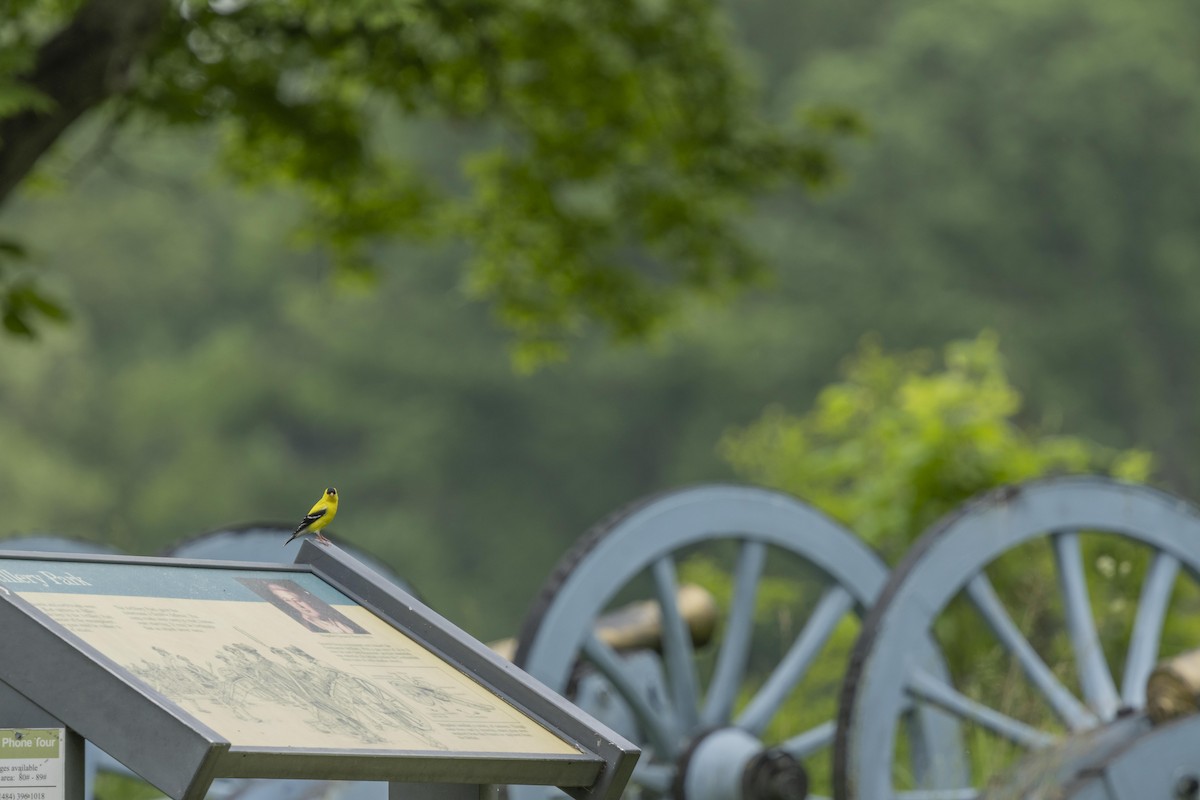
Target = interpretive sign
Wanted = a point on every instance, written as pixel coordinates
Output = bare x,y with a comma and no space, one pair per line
275,659
31,763
282,672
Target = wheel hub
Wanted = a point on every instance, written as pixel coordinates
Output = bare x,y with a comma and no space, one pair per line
731,764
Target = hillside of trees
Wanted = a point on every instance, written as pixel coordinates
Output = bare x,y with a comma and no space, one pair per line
1030,169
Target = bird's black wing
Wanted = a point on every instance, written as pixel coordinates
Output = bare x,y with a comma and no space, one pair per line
310,518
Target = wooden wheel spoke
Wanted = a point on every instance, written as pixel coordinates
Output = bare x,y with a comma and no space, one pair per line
813,740
1065,705
924,686
656,778
658,729
735,645
678,653
820,626
1147,627
1094,676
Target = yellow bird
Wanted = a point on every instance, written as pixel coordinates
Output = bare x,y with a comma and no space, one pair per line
320,515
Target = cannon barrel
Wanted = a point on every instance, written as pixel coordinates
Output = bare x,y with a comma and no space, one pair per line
1173,688
638,626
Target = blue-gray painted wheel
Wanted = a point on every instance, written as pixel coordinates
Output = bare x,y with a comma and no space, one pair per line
749,715
1050,601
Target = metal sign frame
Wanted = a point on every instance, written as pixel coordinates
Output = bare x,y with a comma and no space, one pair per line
181,755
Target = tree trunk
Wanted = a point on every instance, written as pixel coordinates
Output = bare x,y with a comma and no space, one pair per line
79,68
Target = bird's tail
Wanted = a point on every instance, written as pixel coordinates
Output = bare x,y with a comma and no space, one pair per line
289,541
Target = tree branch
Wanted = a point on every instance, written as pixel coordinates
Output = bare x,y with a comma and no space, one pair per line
79,68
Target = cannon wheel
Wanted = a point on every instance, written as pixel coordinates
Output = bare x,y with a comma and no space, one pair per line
948,563
752,529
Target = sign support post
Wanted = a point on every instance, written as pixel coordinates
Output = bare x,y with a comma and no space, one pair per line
434,791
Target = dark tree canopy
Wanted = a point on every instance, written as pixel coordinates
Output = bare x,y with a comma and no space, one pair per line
607,148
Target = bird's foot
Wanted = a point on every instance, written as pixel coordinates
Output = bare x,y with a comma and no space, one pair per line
324,540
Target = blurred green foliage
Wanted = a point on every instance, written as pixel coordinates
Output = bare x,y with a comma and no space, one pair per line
1030,170
110,786
212,377
21,298
899,443
607,151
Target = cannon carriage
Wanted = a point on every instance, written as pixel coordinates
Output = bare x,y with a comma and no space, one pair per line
713,626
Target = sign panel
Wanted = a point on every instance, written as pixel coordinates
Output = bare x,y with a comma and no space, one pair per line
275,659
31,763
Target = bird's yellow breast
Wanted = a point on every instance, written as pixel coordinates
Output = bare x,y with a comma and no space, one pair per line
327,504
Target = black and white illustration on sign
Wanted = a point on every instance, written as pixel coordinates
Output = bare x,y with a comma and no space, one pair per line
246,679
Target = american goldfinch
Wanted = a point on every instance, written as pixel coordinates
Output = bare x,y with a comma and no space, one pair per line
320,515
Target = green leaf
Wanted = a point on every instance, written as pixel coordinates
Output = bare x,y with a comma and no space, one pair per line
15,324
48,308
13,249
16,97
21,303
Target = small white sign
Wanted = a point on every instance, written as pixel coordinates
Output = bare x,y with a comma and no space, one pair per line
31,764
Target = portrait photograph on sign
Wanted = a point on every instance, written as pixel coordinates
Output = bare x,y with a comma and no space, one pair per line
301,605
275,658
